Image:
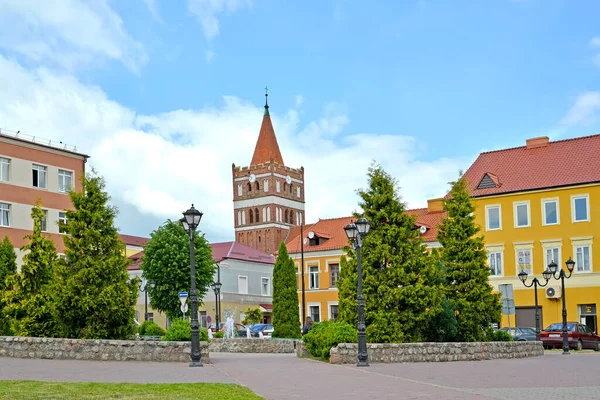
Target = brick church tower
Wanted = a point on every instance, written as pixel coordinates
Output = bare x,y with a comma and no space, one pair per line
268,197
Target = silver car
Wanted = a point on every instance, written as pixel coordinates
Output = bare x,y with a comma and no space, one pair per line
520,334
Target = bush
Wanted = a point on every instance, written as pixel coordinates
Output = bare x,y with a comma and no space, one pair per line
180,331
150,328
492,335
327,334
218,335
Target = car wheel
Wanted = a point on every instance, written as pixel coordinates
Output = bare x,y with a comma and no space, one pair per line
597,346
579,345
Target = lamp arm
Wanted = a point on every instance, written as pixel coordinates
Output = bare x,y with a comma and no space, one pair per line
568,276
544,285
531,284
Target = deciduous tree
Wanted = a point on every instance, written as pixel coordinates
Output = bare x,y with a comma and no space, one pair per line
8,267
286,316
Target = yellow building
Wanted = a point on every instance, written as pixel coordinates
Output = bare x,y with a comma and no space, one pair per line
323,248
536,204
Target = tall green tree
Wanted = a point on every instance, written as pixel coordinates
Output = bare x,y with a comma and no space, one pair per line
399,277
28,301
286,314
95,298
465,259
166,261
8,267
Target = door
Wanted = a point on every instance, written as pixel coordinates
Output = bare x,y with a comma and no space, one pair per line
525,317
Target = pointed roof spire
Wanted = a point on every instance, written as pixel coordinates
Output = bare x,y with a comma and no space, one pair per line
267,147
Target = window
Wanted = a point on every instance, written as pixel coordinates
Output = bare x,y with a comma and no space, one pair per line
239,219
495,263
45,221
256,186
333,312
550,212
266,185
582,258
315,313
524,260
552,254
62,220
268,213
286,216
314,278
521,215
265,288
292,217
251,216
264,214
65,181
298,191
150,316
493,217
38,176
240,189
278,186
581,209
4,214
256,215
334,274
4,169
203,323
249,185
242,284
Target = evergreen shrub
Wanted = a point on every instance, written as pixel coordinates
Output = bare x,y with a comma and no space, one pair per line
151,328
181,331
327,334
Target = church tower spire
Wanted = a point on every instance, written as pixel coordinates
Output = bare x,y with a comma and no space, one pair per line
268,197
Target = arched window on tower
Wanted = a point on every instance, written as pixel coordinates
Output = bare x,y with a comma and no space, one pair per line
249,187
257,186
266,185
251,216
240,189
239,219
278,186
243,217
264,214
268,213
285,219
285,186
291,217
298,191
256,217
291,187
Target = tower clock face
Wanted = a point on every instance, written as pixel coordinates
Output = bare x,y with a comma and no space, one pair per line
288,179
252,177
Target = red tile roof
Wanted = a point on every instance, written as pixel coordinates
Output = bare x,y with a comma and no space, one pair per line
266,145
334,229
540,164
134,240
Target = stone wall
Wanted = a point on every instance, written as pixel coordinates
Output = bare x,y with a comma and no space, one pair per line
346,353
301,350
104,350
252,345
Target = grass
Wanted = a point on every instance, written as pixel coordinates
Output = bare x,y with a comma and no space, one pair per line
37,390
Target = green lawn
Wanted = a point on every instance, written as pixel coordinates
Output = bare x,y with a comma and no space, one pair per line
32,390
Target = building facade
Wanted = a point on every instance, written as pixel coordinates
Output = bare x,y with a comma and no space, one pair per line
30,170
537,204
268,197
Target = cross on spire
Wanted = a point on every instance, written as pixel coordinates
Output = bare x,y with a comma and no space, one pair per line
266,100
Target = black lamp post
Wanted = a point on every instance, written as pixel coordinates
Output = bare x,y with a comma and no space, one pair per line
145,290
356,232
535,283
216,287
190,221
562,276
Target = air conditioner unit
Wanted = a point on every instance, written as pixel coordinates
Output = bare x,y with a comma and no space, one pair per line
553,293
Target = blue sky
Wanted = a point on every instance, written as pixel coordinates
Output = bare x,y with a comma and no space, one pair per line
158,88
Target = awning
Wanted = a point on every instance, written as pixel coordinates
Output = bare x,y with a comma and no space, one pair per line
266,308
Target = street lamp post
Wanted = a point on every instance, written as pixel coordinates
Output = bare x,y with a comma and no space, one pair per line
562,276
535,283
145,290
216,287
190,221
356,232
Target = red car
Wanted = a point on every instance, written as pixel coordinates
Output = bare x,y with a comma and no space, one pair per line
580,336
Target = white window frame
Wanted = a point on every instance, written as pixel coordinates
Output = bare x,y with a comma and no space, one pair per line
580,242
558,260
524,247
487,217
310,278
4,169
557,203
44,222
329,273
242,278
582,246
494,253
5,210
318,305
587,204
264,214
39,168
269,214
516,204
262,280
551,245
63,173
62,218
329,304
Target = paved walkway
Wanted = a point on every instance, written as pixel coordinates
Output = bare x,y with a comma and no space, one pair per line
282,377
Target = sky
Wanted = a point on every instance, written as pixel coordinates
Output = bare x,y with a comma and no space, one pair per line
166,95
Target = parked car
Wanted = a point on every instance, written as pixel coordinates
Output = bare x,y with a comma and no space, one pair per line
580,336
520,334
266,329
213,326
238,330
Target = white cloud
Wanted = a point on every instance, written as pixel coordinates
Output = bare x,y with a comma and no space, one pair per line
210,56
584,111
162,163
206,11
153,8
595,44
299,100
68,33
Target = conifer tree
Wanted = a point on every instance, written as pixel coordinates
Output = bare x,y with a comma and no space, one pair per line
286,320
95,297
8,267
28,301
465,259
399,277
347,289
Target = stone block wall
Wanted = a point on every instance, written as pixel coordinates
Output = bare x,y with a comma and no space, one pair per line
346,353
252,345
101,350
301,350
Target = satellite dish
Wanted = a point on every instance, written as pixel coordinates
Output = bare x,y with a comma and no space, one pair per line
423,229
311,234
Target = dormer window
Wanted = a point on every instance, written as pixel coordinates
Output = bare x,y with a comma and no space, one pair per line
489,181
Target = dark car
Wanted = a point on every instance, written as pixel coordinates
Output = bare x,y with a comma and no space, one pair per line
580,336
520,334
266,330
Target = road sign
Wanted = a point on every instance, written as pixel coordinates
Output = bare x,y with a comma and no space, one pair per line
506,290
508,306
208,319
182,297
184,308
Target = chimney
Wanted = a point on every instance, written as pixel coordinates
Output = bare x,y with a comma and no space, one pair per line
541,141
435,205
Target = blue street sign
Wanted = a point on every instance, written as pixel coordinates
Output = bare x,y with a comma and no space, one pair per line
183,294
